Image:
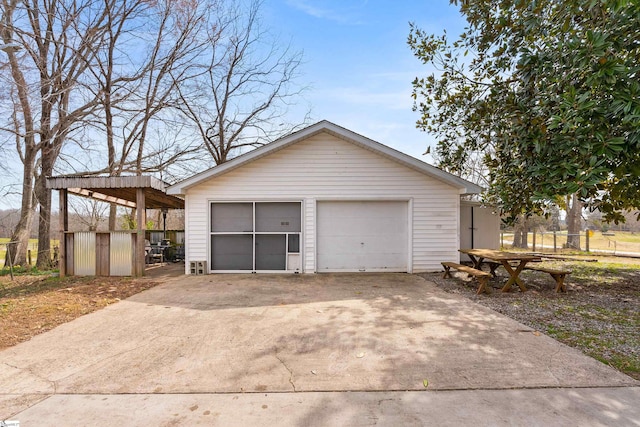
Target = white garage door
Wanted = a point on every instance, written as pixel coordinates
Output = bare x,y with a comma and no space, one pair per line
362,236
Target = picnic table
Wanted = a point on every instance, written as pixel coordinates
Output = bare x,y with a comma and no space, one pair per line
478,256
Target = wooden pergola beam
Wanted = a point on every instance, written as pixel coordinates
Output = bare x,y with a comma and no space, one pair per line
102,197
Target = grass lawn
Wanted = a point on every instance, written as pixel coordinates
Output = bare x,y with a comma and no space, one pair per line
608,318
615,240
33,246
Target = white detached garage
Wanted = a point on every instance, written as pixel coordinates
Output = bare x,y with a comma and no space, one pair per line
323,199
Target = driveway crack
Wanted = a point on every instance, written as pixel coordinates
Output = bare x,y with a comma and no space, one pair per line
287,368
53,383
12,366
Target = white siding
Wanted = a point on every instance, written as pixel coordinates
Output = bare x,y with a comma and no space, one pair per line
325,167
309,235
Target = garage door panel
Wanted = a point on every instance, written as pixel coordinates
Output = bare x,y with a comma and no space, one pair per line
356,226
339,244
373,243
362,236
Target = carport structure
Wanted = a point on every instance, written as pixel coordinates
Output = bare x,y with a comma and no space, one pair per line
129,191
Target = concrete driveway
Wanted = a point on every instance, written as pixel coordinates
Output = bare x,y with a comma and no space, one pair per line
263,334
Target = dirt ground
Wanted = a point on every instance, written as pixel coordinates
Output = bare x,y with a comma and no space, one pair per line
31,305
599,314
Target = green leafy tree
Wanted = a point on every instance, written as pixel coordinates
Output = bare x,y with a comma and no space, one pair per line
546,92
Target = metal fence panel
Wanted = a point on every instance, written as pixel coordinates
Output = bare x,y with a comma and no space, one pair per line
84,253
179,238
121,254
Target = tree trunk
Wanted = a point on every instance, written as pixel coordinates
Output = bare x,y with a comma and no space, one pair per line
20,240
113,212
574,221
521,234
22,232
20,236
43,195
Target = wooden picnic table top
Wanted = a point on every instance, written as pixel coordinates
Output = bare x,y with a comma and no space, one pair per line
496,255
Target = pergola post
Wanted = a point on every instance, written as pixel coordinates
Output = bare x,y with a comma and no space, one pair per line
141,220
64,226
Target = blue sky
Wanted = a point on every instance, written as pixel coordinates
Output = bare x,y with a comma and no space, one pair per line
358,64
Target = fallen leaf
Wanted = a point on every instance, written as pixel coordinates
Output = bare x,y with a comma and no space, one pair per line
425,383
536,333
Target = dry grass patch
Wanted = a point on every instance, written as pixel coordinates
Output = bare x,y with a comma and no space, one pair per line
30,305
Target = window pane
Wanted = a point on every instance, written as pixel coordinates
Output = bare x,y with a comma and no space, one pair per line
270,251
294,243
227,217
281,217
232,252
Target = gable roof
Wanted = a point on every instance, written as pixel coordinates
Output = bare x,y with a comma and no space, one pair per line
464,186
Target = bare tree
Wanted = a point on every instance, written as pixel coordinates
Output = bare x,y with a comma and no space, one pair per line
48,42
93,79
79,63
243,86
136,98
89,212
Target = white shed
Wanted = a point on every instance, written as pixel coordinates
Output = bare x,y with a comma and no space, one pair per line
479,227
323,199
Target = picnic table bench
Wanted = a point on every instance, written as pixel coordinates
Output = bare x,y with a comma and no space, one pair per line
481,276
480,256
558,275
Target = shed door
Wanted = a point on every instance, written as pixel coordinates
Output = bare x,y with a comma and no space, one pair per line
479,228
362,236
